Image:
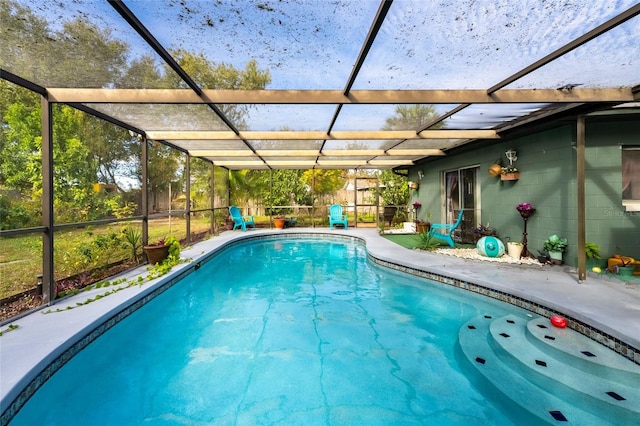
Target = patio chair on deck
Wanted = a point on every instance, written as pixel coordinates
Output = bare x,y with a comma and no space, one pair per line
444,231
240,221
336,217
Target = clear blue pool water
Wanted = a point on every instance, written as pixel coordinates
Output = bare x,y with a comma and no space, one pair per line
289,332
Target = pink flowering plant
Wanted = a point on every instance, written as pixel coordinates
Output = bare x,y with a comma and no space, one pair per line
417,205
525,207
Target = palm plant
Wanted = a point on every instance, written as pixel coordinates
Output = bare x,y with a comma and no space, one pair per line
133,239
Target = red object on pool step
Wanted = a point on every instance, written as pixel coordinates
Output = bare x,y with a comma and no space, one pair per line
558,321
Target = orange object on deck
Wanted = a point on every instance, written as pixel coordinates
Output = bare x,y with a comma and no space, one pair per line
618,260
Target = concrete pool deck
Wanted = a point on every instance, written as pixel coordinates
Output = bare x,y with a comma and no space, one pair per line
604,303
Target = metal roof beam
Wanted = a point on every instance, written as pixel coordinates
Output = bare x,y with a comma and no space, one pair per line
599,30
186,96
318,135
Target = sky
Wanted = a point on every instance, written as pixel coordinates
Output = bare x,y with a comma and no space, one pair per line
435,44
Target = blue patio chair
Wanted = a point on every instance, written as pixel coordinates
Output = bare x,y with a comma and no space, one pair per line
444,231
336,217
240,221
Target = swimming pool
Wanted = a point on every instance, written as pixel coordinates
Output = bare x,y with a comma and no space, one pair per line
291,331
283,332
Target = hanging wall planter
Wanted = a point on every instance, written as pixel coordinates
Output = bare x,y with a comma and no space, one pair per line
495,170
510,176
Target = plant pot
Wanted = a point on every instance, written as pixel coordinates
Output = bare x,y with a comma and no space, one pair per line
495,170
156,254
389,213
279,223
515,250
556,257
510,176
626,271
423,227
526,214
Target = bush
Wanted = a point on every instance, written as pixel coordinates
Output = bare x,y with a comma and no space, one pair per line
14,215
426,242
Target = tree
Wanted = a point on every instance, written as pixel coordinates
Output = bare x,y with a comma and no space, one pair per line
200,183
393,187
394,190
411,117
324,182
279,188
20,163
164,164
88,150
210,75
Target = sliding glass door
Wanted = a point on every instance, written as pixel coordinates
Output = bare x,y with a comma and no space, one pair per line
461,193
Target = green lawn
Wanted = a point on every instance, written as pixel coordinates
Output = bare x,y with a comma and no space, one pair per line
74,251
409,241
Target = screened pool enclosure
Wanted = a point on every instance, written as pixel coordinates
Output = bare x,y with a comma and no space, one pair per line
100,100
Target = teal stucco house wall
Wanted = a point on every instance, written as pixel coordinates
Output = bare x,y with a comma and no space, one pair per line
547,163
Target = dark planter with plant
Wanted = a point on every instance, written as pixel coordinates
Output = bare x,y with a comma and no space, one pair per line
162,250
483,231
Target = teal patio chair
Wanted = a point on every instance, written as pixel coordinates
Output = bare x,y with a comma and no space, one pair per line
240,221
336,217
444,231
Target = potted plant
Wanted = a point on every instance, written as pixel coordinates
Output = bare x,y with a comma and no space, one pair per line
514,249
543,256
279,221
424,225
483,231
228,223
526,210
592,251
555,246
421,226
510,173
416,206
160,251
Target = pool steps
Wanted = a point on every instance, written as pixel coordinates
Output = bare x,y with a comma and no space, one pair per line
586,354
522,357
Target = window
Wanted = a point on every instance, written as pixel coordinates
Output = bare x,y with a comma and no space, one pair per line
631,178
